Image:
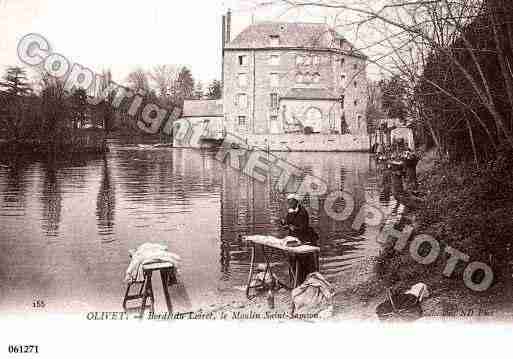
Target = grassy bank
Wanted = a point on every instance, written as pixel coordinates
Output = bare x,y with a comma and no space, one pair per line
468,207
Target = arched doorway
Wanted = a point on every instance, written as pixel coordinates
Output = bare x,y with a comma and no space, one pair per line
313,119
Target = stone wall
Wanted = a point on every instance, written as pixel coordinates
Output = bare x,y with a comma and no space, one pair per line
310,143
280,142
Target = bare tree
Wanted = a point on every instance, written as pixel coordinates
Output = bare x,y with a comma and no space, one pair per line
164,78
138,80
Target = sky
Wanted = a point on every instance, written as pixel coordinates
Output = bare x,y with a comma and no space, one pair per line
124,34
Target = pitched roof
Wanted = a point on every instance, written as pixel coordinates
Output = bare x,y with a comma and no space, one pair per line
310,94
202,108
291,34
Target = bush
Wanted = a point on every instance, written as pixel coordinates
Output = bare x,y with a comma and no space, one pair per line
467,207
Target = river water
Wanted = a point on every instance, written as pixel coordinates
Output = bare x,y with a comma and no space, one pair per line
66,226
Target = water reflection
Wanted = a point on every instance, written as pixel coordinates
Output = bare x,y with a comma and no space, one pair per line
15,186
51,199
106,201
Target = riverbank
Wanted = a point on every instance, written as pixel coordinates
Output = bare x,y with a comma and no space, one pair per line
76,142
468,208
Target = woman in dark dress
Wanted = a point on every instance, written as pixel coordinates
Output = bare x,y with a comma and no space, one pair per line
297,221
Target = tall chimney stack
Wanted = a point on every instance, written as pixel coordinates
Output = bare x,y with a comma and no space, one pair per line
223,32
228,26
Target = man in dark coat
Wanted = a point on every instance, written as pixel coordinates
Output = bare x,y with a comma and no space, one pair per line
297,221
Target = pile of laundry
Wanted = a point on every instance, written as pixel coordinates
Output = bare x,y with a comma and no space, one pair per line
145,254
314,296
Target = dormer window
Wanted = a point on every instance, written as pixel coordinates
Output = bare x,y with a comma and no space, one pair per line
274,40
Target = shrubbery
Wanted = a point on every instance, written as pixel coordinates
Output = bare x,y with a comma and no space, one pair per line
467,207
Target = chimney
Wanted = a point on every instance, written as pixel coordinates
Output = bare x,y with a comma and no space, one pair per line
223,33
228,26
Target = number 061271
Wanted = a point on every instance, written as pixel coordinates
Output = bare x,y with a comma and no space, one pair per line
23,349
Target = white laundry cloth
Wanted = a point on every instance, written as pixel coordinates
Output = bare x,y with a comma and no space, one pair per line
148,253
420,290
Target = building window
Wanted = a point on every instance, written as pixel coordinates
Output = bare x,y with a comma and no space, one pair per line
241,100
274,40
342,61
243,80
274,100
275,80
355,66
355,84
274,118
316,60
359,120
356,102
299,78
299,60
242,120
274,60
243,60
342,98
343,80
316,78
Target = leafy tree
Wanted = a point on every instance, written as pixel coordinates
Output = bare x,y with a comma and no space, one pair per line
215,90
54,107
78,107
15,82
14,101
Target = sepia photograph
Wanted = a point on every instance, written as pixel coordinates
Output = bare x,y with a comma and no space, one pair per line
207,167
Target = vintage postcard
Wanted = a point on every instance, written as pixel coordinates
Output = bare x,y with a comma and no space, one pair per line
208,166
